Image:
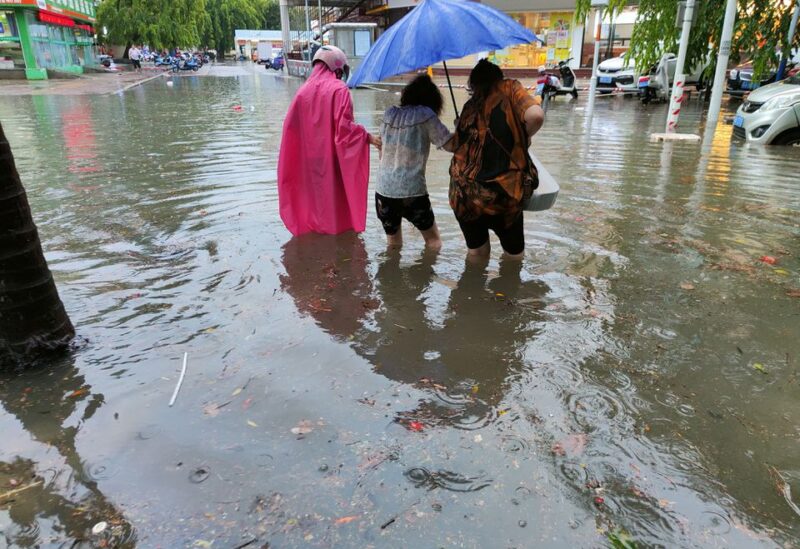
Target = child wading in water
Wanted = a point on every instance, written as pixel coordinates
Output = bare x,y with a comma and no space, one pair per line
407,133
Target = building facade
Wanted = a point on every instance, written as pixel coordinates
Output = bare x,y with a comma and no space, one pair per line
553,21
42,35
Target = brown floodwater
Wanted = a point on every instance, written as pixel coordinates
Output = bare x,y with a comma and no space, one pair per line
634,379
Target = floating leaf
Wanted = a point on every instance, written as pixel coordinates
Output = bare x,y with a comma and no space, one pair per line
79,392
760,367
793,292
211,410
346,520
782,272
303,428
252,423
620,539
687,286
237,391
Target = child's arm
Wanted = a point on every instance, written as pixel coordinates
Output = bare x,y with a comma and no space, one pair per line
440,136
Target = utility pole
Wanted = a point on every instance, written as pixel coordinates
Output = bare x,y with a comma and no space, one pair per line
722,65
680,77
308,34
285,36
598,5
792,30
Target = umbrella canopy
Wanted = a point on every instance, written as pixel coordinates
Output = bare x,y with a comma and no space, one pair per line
435,31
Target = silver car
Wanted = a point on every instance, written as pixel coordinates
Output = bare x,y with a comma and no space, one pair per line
616,73
771,114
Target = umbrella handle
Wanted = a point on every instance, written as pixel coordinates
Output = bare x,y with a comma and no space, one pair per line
449,85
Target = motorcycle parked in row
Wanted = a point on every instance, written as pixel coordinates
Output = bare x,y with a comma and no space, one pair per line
657,83
166,61
183,64
276,63
550,85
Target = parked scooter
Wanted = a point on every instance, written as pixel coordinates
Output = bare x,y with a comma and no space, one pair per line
182,64
655,85
163,61
550,85
276,63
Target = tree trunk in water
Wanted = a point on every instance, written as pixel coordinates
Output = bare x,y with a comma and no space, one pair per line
32,317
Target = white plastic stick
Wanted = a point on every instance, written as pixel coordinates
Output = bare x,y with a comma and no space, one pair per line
180,380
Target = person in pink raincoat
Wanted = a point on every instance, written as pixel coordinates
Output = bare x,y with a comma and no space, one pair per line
323,167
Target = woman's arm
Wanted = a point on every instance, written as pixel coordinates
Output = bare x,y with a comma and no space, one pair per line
534,118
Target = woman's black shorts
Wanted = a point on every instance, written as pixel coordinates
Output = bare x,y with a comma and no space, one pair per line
512,238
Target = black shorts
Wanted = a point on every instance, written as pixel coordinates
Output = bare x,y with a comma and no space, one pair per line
416,209
512,238
136,63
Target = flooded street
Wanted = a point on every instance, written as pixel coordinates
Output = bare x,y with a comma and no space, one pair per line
634,379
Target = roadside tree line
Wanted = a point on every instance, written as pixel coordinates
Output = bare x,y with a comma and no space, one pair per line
165,24
761,31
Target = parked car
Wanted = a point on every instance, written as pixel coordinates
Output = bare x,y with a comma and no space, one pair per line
771,114
656,85
616,73
740,78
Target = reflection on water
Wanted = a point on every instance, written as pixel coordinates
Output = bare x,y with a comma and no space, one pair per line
634,376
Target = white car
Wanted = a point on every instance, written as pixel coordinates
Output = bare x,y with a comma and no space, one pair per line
616,73
771,114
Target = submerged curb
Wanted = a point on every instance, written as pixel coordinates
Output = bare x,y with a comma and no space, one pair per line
137,83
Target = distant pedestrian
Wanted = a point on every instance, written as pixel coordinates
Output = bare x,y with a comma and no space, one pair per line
407,134
135,55
323,166
491,175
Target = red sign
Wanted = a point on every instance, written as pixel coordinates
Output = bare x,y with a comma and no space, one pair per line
55,19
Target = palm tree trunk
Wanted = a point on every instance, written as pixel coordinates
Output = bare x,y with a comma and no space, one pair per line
32,317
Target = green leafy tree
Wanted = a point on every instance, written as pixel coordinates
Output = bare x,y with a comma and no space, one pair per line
760,34
157,23
270,15
223,17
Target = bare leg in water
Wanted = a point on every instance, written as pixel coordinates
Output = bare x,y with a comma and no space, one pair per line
433,241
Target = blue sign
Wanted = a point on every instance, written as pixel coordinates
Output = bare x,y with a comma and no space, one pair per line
2,30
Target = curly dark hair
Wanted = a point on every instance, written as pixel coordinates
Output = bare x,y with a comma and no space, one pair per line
422,91
483,78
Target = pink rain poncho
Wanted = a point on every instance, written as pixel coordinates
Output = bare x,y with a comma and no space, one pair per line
323,168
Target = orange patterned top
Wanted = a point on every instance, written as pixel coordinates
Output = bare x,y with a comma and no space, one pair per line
490,159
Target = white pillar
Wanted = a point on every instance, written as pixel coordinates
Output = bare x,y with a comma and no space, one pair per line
792,29
308,33
722,65
680,78
287,39
595,61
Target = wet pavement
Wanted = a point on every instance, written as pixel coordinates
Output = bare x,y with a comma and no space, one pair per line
633,380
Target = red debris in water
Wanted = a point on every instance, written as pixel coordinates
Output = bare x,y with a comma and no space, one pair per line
237,108
768,259
416,426
598,500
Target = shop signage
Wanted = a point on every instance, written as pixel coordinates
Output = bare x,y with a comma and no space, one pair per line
55,19
393,4
80,9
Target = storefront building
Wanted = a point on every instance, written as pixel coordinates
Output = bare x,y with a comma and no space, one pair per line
553,21
42,35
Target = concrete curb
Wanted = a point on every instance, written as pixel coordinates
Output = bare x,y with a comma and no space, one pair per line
137,83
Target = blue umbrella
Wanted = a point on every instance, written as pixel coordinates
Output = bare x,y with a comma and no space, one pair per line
435,31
